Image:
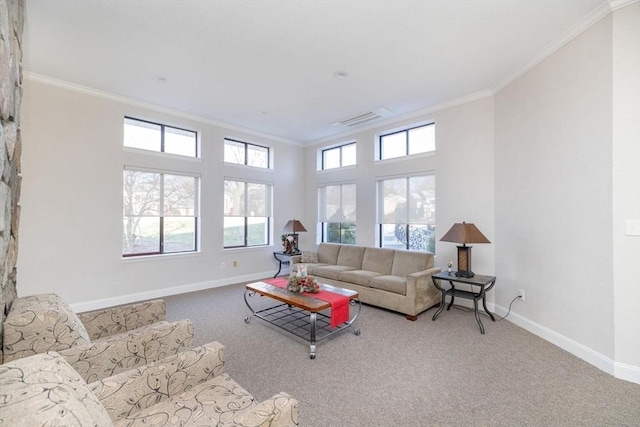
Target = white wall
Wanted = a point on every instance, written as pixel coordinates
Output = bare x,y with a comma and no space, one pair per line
559,207
71,226
626,188
463,164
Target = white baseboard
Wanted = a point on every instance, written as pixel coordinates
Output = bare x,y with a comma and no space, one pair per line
159,293
619,370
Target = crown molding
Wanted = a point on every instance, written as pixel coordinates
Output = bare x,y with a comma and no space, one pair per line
618,4
573,32
50,81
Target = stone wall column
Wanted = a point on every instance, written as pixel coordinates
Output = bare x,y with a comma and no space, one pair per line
11,26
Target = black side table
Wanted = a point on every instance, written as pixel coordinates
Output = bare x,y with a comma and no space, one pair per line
283,258
485,283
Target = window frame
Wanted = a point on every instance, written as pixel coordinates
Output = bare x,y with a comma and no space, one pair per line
406,131
246,151
408,224
343,225
340,149
163,128
161,213
246,219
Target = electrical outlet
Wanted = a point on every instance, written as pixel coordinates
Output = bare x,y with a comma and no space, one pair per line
222,265
521,294
235,263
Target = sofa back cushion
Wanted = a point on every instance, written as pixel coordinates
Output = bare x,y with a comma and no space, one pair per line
40,323
328,253
46,390
379,260
407,262
351,256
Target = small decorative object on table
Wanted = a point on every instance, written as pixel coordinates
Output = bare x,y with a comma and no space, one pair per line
449,265
301,282
288,244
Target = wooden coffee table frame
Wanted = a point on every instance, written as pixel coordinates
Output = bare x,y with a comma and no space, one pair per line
299,314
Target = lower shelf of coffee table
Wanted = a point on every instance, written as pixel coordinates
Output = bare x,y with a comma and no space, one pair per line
311,327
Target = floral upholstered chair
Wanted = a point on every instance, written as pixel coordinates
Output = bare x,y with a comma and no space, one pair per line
97,344
187,389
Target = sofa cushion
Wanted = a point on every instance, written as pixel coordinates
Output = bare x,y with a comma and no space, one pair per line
328,253
407,262
40,323
379,260
310,257
351,256
215,401
395,284
45,390
311,268
358,277
330,271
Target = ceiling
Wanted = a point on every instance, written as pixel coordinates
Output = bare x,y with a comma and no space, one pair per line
274,66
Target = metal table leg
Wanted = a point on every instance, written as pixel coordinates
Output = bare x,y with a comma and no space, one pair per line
312,337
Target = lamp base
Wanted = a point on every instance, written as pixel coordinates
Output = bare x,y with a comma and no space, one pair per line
465,273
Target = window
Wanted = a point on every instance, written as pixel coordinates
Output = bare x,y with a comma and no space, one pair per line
160,138
247,213
406,142
336,157
407,213
338,213
161,213
243,153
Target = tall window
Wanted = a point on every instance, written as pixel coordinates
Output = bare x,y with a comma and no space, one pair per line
160,138
337,157
161,213
407,213
406,142
244,153
338,213
247,213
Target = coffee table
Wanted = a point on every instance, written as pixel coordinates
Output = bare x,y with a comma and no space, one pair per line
301,314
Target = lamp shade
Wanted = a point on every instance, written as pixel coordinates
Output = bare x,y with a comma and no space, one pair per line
463,232
293,226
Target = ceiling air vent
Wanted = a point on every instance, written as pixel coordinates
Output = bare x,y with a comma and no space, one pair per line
369,116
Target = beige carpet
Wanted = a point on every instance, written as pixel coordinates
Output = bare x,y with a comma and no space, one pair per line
402,373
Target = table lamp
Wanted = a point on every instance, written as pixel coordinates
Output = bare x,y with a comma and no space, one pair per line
292,227
464,233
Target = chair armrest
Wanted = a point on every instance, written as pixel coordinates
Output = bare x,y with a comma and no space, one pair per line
120,352
279,411
136,389
115,320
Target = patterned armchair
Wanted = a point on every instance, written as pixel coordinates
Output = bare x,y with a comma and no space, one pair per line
187,389
97,344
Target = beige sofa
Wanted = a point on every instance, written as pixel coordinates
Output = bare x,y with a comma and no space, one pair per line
397,280
187,389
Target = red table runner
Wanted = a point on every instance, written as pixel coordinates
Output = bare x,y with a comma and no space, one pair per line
339,303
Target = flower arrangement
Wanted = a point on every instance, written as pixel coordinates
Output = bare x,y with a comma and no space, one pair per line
301,282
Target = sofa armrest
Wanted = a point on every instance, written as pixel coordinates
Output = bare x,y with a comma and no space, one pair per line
420,287
115,320
137,389
280,410
120,352
295,259
422,279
